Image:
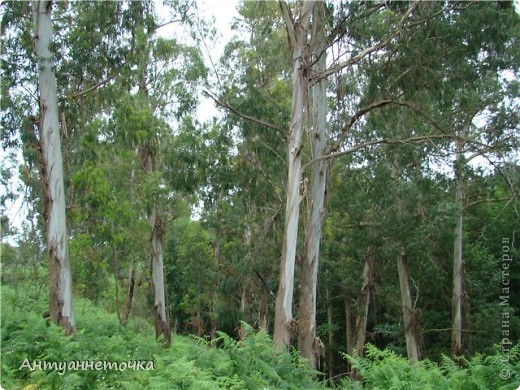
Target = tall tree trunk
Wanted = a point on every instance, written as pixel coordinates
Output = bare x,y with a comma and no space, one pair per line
214,296
410,319
330,322
364,304
129,297
458,261
316,202
349,331
162,317
60,278
297,32
149,163
263,310
245,300
116,284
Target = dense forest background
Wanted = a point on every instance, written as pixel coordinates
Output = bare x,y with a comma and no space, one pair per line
348,218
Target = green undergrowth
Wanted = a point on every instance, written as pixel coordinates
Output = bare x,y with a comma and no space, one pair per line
194,363
190,363
386,370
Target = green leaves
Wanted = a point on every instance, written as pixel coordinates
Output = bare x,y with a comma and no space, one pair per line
190,363
383,369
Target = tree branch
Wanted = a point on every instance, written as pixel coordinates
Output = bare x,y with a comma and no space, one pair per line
489,201
488,149
264,283
260,122
422,113
289,22
415,139
354,118
93,88
351,61
357,58
364,224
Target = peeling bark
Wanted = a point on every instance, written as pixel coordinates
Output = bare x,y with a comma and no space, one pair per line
364,304
410,320
60,278
297,32
162,318
316,201
458,261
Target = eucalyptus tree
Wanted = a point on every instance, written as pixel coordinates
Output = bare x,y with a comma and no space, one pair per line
50,132
297,32
497,135
162,77
74,71
258,100
465,81
454,84
299,23
318,136
309,67
89,51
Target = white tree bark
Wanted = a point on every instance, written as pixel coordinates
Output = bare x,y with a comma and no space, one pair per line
60,279
162,318
458,261
409,318
318,137
297,33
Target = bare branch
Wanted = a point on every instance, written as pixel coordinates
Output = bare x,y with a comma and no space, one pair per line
506,177
415,139
167,23
423,21
490,201
467,6
264,283
208,52
260,122
91,89
354,118
364,224
422,113
378,46
488,149
351,61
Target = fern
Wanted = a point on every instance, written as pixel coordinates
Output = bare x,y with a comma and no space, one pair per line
224,363
448,365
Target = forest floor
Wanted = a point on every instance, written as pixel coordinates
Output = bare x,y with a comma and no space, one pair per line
105,355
